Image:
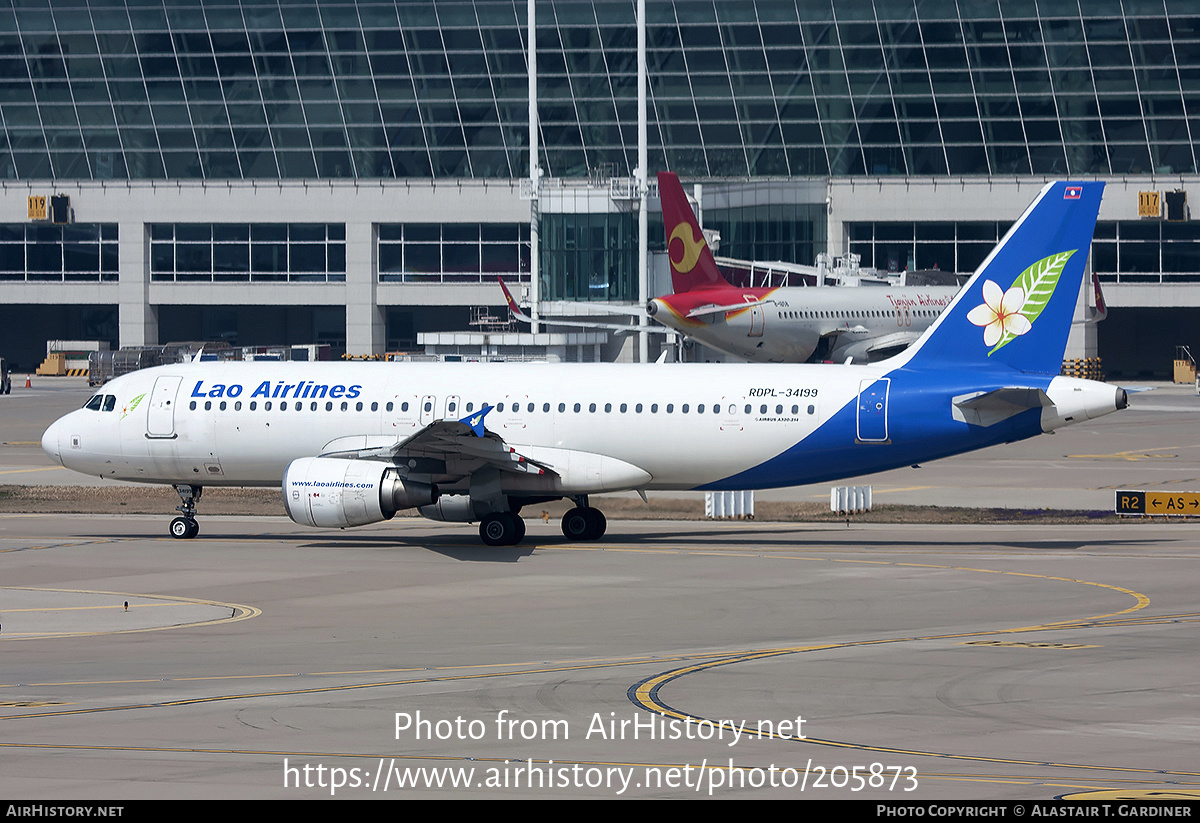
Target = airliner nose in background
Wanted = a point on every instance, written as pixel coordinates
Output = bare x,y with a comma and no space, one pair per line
354,443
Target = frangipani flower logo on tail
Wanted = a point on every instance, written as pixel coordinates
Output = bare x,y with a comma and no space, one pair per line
1006,315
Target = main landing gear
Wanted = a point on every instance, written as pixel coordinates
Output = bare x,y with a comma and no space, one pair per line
583,522
502,529
186,527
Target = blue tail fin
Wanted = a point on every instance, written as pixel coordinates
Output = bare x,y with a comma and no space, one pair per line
1016,310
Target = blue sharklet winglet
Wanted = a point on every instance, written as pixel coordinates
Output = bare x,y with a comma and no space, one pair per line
475,421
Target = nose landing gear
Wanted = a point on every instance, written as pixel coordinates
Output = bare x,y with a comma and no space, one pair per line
186,527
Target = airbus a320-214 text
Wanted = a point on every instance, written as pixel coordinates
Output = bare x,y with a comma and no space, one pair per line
355,443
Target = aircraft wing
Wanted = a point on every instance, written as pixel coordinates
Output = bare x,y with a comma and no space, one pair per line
517,314
453,441
897,341
847,329
455,449
706,310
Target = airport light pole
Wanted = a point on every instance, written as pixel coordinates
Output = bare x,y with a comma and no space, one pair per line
640,181
535,174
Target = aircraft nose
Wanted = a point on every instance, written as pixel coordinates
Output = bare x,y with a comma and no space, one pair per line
50,441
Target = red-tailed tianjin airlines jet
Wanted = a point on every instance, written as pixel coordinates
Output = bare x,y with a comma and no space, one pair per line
781,325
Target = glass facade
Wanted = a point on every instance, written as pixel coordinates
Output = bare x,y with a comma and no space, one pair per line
46,252
1123,251
453,252
1129,251
248,252
586,256
792,232
218,89
910,246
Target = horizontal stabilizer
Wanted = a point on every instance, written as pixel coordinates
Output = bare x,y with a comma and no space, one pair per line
990,408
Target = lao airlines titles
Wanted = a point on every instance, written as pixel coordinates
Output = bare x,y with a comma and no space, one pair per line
266,388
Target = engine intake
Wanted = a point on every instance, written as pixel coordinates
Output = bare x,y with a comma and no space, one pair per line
331,492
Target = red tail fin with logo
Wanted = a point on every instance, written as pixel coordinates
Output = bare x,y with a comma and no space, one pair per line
692,264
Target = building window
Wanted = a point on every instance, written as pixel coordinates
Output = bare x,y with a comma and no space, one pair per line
589,256
453,252
903,246
43,252
1146,251
248,252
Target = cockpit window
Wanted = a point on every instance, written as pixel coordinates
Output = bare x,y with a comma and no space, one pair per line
110,402
95,403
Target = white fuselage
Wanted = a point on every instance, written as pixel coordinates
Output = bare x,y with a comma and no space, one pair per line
864,323
243,423
595,427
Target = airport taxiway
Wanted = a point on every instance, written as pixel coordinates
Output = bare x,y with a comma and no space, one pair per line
918,662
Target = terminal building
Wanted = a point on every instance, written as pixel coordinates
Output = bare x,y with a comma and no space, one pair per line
357,173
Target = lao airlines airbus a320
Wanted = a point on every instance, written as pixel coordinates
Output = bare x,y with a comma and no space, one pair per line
354,443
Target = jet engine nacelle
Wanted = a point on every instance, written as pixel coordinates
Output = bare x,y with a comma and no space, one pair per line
331,492
451,508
